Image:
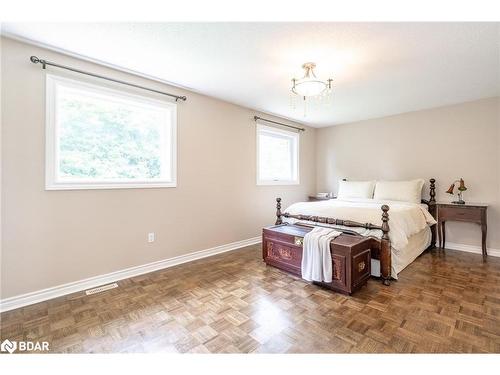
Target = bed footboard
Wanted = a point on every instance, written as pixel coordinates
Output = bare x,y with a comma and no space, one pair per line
385,243
385,248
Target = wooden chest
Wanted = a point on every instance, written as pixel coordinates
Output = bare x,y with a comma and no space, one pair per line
351,255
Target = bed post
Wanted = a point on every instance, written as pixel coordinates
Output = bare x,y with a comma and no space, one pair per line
432,210
278,212
385,248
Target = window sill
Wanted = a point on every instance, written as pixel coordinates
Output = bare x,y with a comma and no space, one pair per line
80,186
275,183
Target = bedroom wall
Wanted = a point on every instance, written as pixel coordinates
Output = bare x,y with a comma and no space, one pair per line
449,142
55,237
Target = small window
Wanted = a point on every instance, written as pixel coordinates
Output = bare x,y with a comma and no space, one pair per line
102,138
277,156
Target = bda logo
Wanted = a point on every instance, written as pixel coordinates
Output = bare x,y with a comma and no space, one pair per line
24,346
8,346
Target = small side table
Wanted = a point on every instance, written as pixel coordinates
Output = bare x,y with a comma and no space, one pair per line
469,212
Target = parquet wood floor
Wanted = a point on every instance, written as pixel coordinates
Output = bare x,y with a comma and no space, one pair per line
232,303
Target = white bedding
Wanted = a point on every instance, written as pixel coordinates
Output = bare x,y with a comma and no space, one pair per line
405,221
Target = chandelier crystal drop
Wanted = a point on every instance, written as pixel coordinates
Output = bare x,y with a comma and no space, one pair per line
310,91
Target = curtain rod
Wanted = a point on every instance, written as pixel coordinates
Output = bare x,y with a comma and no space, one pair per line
279,123
36,60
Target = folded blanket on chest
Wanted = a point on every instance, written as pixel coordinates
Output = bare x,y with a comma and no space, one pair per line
316,256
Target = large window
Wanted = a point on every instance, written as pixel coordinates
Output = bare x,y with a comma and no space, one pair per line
100,138
277,156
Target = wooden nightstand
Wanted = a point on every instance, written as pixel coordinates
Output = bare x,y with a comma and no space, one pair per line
469,212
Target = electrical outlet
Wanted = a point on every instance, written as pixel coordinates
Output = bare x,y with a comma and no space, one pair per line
151,237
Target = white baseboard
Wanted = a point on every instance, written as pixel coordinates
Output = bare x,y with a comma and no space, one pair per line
472,249
77,286
92,282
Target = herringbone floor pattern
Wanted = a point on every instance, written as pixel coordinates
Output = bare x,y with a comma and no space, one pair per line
232,303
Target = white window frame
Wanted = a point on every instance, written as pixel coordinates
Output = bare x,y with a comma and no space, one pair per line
295,155
52,181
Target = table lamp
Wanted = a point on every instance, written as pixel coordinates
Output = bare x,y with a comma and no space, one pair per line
461,189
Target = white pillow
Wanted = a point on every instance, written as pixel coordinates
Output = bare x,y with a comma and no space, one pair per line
355,189
406,191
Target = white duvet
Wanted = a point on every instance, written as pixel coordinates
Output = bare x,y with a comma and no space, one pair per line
405,219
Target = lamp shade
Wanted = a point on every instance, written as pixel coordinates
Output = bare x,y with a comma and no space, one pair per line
462,187
450,190
309,87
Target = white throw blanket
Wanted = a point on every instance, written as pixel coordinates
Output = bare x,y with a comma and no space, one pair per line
316,256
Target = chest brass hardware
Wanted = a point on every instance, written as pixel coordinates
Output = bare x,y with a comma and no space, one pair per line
299,241
361,266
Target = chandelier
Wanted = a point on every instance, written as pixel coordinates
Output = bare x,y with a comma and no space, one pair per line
309,90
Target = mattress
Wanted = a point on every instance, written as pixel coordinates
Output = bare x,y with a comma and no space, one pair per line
417,243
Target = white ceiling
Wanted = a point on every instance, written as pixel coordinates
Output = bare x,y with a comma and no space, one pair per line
379,69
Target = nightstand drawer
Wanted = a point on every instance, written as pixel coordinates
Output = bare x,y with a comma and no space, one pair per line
459,214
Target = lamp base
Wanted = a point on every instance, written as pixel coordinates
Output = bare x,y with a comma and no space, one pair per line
458,202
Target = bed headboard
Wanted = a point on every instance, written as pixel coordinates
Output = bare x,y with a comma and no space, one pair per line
431,204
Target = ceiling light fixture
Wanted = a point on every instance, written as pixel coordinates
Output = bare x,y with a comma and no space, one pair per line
310,89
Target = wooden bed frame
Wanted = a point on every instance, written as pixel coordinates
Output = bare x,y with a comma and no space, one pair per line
381,248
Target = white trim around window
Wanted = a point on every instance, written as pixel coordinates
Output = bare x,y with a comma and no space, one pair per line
288,156
164,122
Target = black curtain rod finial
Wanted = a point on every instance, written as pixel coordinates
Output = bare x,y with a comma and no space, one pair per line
36,60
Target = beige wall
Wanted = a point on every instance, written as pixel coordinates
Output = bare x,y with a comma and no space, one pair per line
55,237
446,143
